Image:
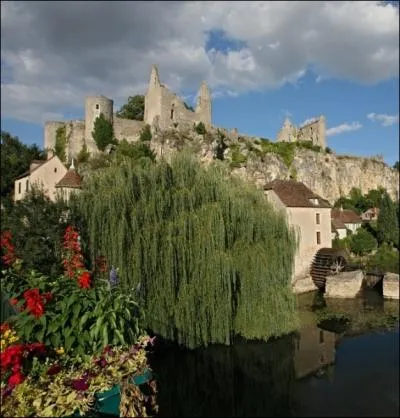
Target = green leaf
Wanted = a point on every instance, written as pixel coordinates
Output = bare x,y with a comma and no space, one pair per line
120,336
55,340
105,336
69,341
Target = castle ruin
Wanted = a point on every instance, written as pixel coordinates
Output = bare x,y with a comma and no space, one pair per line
314,131
163,109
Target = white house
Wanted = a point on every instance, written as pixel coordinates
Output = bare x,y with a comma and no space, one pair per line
347,217
310,214
44,174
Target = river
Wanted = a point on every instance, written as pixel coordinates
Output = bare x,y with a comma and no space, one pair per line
343,361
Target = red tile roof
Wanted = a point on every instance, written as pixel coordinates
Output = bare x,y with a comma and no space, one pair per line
338,224
346,216
296,194
71,179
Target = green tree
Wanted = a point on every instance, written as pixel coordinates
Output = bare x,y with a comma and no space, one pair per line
388,222
209,255
15,160
134,109
200,128
145,135
61,143
136,151
396,165
37,228
374,197
362,242
83,155
103,132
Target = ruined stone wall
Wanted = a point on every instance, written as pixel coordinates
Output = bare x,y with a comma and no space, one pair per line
128,129
50,130
75,132
314,131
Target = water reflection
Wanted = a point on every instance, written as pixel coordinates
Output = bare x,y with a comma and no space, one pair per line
320,370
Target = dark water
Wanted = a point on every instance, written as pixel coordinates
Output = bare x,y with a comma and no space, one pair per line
344,361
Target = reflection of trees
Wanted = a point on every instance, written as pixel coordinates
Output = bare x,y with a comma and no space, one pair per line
247,379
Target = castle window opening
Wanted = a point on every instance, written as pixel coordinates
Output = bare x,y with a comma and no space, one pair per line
172,113
97,106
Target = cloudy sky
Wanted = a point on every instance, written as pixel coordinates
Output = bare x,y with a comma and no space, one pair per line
263,61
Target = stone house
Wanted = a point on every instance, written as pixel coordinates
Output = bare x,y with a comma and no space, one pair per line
70,183
370,214
349,218
310,215
339,229
44,174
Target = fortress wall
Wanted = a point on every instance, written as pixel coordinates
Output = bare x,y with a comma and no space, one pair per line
128,129
50,129
75,138
314,132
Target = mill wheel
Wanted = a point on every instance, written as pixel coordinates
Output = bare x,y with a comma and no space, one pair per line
327,261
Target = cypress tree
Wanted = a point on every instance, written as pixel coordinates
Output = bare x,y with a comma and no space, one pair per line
212,258
388,222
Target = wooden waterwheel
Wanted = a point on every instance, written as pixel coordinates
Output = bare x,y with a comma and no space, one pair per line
327,262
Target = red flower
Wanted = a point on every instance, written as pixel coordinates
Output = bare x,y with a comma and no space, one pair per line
84,280
80,384
36,348
16,379
9,251
13,301
11,355
34,302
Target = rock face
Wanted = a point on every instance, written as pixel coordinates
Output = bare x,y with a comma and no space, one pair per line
344,285
327,174
391,286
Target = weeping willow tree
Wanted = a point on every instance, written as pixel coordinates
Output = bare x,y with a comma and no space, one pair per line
212,259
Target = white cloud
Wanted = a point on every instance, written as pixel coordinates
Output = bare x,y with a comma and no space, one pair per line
344,127
67,50
385,120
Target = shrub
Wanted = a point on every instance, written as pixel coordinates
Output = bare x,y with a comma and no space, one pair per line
103,132
386,259
237,158
133,109
200,128
328,150
61,143
362,242
83,155
145,135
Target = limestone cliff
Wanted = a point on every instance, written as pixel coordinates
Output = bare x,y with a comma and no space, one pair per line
329,175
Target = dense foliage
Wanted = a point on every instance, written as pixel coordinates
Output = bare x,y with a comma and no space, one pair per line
362,242
133,109
358,202
208,254
103,133
61,143
37,226
388,222
47,366
145,135
15,160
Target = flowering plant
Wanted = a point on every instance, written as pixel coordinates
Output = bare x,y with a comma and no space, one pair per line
64,388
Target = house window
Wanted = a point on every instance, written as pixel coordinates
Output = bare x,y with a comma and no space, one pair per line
318,237
317,218
26,185
19,187
321,337
97,106
55,169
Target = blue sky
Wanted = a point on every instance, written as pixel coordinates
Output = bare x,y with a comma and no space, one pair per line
262,65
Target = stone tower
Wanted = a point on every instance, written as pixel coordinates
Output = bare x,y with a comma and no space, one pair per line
153,98
322,131
287,132
203,107
94,106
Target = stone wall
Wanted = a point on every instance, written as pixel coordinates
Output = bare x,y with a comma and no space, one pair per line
128,129
75,133
50,130
314,131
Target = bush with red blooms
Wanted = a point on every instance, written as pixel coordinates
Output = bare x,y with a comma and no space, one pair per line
15,358
7,248
72,255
